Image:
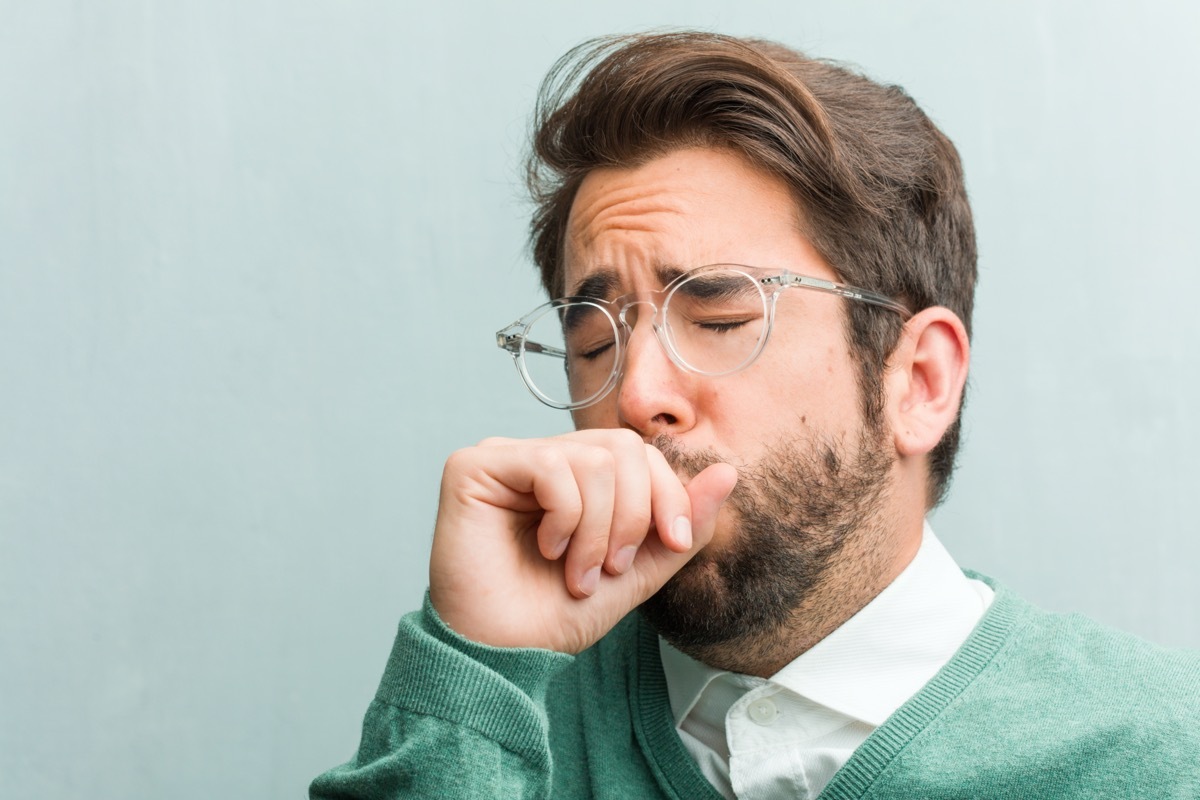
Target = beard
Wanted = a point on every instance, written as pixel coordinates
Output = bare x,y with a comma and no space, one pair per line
795,510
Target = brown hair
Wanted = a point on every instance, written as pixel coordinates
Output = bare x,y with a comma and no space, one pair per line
880,187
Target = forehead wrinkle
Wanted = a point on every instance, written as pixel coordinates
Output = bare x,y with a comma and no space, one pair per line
636,208
598,233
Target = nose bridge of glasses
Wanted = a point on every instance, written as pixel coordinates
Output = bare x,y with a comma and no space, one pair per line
629,313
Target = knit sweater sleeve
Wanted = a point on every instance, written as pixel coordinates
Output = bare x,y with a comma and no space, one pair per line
451,719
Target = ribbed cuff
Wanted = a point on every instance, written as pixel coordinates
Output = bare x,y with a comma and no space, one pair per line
498,692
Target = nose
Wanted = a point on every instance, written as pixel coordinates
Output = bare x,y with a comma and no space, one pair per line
653,396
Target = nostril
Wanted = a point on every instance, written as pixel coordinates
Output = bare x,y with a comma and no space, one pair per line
665,419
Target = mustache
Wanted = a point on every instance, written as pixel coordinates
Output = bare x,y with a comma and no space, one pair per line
685,462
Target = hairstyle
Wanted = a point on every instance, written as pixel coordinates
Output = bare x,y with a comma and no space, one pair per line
880,188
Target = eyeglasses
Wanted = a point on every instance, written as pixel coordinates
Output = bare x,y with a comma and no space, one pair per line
712,320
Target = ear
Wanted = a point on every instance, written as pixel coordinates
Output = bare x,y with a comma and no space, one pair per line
925,378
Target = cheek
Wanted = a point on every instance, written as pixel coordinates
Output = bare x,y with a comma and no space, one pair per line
738,415
797,386
601,415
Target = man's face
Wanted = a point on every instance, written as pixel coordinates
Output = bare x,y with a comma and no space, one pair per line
687,209
791,422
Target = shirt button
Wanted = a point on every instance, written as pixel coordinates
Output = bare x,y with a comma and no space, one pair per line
763,711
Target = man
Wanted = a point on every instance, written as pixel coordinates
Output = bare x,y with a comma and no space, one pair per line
768,266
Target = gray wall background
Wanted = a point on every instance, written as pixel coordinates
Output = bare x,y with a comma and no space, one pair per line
252,255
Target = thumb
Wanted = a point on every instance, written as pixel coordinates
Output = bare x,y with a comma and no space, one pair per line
655,563
708,491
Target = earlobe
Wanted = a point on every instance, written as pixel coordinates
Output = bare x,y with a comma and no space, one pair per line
925,379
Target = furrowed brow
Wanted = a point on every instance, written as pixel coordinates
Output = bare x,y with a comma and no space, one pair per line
666,274
604,284
600,285
728,286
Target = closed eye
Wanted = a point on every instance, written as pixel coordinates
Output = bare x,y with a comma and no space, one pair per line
722,326
595,352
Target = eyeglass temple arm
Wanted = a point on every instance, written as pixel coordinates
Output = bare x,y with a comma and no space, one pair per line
512,342
840,289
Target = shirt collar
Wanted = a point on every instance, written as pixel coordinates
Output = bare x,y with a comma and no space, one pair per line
877,659
687,679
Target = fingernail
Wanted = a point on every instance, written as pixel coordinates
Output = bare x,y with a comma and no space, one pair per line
591,579
624,558
681,528
559,549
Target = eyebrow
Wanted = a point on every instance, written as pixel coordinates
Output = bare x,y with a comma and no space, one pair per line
599,285
603,284
718,287
666,273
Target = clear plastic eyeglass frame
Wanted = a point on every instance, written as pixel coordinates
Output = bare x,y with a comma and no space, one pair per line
770,284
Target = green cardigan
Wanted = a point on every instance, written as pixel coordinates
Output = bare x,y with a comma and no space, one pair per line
1033,705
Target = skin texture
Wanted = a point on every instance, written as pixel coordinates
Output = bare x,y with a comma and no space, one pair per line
549,542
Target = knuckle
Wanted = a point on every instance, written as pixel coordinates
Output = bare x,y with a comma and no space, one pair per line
549,459
598,460
458,462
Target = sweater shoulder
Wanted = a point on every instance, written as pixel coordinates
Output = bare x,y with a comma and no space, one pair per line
1074,650
1085,685
1041,704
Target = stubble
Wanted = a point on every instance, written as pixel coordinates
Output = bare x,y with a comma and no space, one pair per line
805,513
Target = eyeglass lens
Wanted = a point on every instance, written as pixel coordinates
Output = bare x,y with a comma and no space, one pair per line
713,322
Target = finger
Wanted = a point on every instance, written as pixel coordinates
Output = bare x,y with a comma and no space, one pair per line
631,507
594,472
670,506
521,478
570,482
631,502
552,483
496,441
657,561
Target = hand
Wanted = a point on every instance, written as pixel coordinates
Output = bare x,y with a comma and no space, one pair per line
550,542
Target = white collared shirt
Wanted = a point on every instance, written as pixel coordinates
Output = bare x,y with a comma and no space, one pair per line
786,736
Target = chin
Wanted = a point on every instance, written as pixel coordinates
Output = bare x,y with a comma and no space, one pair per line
780,532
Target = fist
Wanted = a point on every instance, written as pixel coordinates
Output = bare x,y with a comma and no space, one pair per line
550,542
